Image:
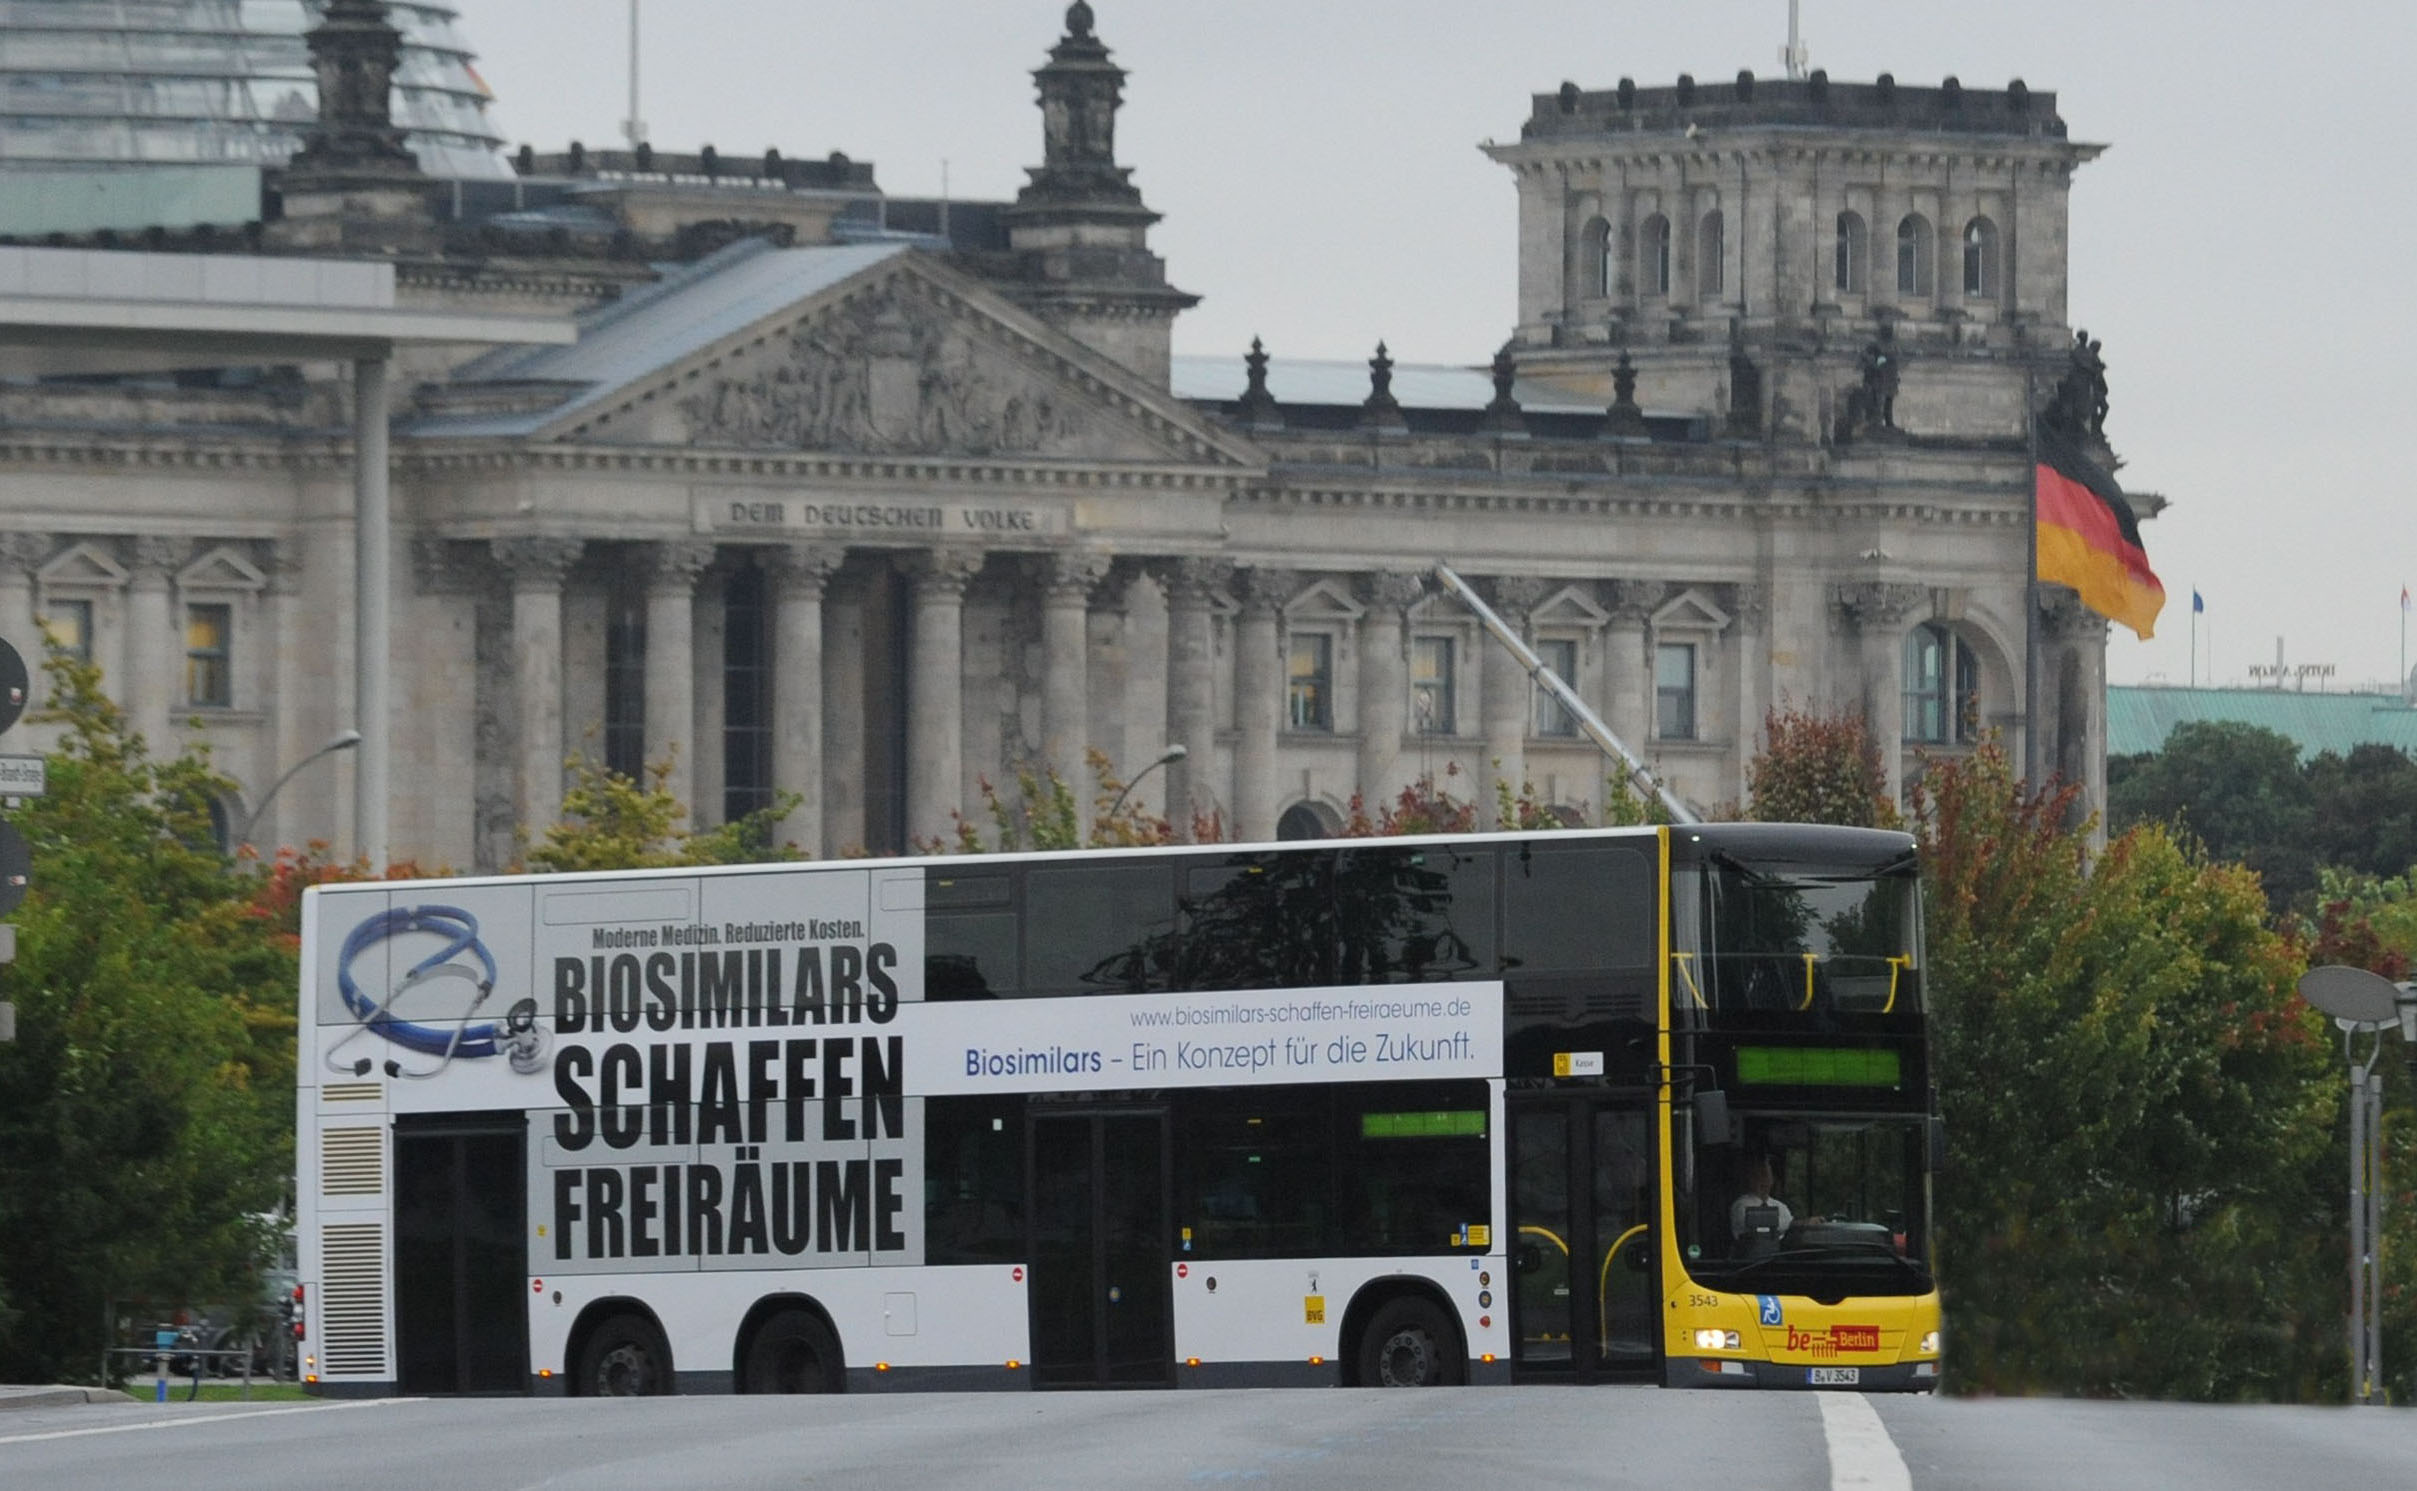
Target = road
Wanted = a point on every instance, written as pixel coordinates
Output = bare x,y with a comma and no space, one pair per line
1622,1437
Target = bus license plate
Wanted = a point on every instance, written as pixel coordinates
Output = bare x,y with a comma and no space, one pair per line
1833,1376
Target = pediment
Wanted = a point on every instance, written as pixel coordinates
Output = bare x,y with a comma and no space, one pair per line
909,359
1323,600
221,568
83,564
1690,611
1569,608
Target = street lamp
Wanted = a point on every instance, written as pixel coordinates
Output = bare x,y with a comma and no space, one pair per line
2369,1003
243,835
1167,757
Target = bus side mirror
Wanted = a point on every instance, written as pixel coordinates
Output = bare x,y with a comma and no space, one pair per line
1938,1144
1712,1117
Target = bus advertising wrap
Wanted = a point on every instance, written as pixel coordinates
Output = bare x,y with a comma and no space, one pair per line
729,1072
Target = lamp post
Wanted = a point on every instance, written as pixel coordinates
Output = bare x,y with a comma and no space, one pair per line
2364,1002
1167,757
243,835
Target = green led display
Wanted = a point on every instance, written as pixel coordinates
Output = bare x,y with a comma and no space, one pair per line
1778,1066
1447,1125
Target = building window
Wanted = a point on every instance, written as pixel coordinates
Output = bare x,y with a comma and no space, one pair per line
209,676
1595,266
1431,686
1552,717
67,626
1674,691
1942,687
1711,255
625,683
1653,256
1309,682
1854,254
1303,821
1914,255
746,697
1980,259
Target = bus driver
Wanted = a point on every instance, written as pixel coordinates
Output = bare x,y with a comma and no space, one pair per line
1758,1219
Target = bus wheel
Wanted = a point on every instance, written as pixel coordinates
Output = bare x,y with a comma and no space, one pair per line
625,1358
1408,1344
793,1352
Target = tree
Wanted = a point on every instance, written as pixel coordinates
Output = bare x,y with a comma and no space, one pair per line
2238,788
2139,1109
2362,810
1818,769
611,821
146,1106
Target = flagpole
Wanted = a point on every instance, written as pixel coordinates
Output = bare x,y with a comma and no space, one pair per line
2031,690
2194,638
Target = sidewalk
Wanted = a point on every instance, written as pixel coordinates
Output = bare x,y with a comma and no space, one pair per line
57,1397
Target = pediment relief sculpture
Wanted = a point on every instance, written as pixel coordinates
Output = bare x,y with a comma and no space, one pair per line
887,374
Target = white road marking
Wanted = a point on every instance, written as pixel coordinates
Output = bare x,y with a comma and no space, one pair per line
203,1420
1862,1456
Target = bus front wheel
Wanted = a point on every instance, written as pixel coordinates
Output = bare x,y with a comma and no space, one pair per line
792,1353
626,1357
1409,1343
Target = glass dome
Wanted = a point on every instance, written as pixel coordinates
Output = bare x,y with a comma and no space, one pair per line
210,82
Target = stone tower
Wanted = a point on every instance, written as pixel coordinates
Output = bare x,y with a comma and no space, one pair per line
1078,233
353,187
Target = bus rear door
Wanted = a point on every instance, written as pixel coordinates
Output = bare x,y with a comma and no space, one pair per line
1103,1305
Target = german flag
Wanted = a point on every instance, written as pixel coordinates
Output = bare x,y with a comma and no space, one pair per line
2088,536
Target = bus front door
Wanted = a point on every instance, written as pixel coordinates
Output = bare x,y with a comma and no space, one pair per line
1581,1269
461,1262
1103,1308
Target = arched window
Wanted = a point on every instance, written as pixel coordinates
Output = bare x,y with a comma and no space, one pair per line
1711,246
1854,254
1980,259
1594,260
1914,255
1942,687
1305,820
1653,256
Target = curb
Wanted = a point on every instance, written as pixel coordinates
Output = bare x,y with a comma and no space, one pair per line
57,1397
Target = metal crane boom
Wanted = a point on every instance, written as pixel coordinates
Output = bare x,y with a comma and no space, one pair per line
1588,721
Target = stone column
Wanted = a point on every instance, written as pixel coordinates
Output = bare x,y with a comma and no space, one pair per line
1259,700
1507,699
153,650
1067,582
843,768
799,574
439,705
1629,667
537,566
19,554
671,699
936,692
1876,610
1192,687
2074,747
1384,681
1750,605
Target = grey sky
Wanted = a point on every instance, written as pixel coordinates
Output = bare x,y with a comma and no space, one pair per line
2244,250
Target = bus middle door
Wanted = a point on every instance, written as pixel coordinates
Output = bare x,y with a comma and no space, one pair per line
1581,1270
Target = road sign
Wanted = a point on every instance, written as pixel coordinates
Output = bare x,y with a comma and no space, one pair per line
24,776
13,685
16,867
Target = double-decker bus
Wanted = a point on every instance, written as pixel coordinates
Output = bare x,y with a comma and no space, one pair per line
1644,1104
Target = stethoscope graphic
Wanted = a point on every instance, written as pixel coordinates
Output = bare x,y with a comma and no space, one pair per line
517,1036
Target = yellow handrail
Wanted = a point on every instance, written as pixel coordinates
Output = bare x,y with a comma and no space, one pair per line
1686,971
1809,960
1603,1288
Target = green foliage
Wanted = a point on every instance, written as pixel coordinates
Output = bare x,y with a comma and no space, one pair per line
614,822
1818,769
2238,787
1042,814
2141,1196
2362,810
1426,806
146,1105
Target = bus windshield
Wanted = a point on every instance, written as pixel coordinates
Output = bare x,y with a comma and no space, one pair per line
1808,1203
1795,938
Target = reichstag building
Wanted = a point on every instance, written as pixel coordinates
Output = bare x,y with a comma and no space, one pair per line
871,499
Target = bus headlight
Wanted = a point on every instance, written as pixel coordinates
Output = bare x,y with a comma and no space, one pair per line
1929,1345
1716,1341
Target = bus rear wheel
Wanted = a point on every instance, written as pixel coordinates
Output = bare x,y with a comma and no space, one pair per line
793,1352
626,1357
1409,1343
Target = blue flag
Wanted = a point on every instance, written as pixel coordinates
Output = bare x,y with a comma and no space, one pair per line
2198,602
